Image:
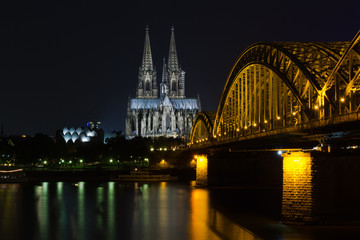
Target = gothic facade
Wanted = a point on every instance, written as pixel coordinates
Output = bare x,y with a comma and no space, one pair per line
161,110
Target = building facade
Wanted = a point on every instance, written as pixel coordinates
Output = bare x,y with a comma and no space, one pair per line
161,110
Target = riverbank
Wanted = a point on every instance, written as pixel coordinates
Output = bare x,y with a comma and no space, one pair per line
74,175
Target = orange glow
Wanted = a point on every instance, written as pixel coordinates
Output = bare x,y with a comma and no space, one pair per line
316,107
202,170
297,184
342,99
265,121
278,117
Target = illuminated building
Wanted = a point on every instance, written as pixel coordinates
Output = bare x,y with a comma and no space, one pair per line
83,134
166,112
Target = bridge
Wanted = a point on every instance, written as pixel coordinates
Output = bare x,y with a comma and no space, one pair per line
293,96
285,88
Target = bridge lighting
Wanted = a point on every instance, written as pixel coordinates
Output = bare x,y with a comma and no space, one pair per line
265,121
237,129
278,117
254,124
342,99
245,127
294,113
151,149
316,107
279,152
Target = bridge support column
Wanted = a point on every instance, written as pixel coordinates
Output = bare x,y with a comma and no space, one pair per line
202,170
299,188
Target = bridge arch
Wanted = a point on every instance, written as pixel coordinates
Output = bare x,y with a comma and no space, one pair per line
202,129
285,84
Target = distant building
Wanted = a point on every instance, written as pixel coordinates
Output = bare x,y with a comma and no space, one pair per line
92,132
169,114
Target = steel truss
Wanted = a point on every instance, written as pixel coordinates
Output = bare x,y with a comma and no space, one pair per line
284,84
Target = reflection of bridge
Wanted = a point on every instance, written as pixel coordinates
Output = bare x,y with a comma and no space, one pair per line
284,87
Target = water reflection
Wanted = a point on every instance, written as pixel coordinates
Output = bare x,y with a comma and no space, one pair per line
87,210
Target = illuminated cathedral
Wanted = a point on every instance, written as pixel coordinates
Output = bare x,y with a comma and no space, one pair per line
161,110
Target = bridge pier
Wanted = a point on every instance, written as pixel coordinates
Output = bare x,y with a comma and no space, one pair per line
317,187
300,190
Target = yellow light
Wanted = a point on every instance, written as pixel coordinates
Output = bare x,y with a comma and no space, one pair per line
165,149
294,113
195,156
265,121
316,107
278,117
342,99
201,170
237,129
254,125
152,149
245,127
23,136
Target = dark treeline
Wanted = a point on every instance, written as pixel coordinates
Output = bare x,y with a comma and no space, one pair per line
40,148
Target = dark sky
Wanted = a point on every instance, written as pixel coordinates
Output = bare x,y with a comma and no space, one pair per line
67,63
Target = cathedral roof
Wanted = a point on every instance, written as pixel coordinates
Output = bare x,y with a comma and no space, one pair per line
178,104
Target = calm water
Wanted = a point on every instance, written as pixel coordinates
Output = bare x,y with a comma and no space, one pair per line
113,210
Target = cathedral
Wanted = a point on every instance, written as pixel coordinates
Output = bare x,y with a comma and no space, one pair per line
161,110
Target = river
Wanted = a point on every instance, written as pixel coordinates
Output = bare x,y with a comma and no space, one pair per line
152,210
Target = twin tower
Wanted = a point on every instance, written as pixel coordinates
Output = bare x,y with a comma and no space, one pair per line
161,110
173,78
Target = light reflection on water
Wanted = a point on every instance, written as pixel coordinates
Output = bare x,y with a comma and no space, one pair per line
87,210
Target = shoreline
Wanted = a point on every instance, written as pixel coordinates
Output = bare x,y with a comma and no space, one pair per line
92,174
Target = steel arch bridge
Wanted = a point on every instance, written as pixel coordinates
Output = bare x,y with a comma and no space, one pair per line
283,87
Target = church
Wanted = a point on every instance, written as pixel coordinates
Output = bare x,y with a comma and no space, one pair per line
161,110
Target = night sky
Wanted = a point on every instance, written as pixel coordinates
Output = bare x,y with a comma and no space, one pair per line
68,63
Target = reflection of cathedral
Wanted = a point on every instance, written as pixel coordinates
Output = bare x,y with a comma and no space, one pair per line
172,114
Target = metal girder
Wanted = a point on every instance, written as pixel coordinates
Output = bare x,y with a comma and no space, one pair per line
287,83
203,123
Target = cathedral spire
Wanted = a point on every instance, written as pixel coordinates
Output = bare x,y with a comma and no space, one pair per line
147,62
147,86
164,78
173,63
